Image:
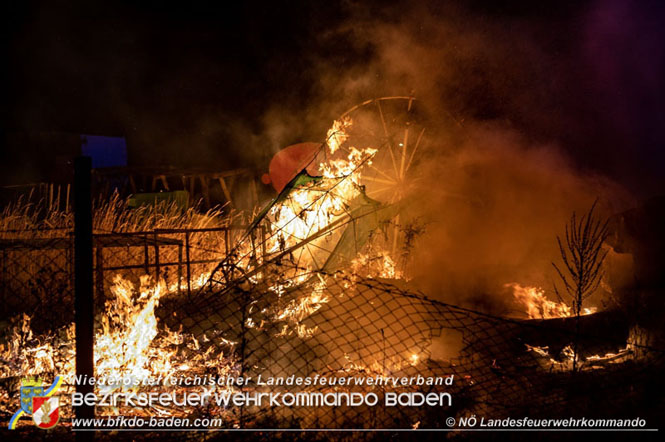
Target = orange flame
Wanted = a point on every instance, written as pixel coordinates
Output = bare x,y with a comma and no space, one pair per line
537,306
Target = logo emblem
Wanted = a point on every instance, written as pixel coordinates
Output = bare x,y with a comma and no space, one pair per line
28,392
46,411
38,402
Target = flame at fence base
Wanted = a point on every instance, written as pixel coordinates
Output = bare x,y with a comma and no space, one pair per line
302,229
157,350
564,360
129,343
537,306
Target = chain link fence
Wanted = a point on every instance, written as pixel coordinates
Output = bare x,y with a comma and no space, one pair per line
37,269
353,327
341,324
37,279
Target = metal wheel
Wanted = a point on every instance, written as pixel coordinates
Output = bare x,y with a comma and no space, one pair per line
395,127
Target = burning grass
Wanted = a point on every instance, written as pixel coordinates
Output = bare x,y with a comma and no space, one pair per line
537,306
129,340
309,256
130,344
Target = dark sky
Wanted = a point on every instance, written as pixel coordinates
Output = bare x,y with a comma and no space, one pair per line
224,84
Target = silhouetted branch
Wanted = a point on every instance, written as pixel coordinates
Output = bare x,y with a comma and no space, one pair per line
583,257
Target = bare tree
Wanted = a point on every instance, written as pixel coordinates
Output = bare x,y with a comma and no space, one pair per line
583,257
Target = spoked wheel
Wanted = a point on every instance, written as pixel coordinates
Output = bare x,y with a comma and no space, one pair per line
395,127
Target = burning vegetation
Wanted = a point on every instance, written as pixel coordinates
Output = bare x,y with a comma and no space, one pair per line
315,283
537,306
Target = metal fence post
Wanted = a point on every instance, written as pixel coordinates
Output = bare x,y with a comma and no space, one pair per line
83,280
189,271
146,254
4,280
180,269
156,257
99,264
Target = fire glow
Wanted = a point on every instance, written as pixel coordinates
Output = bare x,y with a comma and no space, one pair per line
303,227
130,343
538,306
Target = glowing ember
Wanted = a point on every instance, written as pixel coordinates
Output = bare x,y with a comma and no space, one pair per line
27,355
380,266
337,134
537,306
564,360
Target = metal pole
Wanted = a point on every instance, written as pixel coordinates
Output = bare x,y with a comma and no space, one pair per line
146,254
4,279
101,298
180,269
83,281
156,258
189,271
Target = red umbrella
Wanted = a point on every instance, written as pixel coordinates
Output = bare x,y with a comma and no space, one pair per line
290,161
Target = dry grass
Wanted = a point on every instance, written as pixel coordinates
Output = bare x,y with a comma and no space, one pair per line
25,218
36,276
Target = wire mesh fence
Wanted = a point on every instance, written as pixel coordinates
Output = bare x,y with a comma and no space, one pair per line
354,328
340,325
37,270
37,279
307,301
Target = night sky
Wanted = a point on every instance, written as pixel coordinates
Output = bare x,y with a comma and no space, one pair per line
227,84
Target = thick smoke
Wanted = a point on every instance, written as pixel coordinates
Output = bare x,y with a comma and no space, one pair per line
497,181
528,107
492,210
